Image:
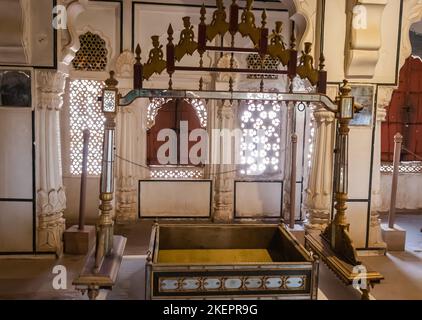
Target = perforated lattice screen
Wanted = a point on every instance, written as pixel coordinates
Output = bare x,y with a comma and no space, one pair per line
85,113
255,62
404,167
92,55
260,147
176,173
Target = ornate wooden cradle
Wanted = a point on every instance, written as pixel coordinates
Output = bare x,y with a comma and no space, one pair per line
201,261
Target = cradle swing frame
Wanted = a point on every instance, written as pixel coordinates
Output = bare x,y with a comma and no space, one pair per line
337,234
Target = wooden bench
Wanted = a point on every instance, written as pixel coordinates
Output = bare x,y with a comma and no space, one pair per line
345,271
92,282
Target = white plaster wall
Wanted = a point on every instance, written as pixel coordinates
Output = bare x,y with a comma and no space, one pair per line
15,226
360,140
16,179
175,198
258,199
72,186
41,33
16,157
408,192
26,33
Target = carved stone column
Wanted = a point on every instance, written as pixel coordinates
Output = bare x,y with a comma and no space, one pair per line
375,237
131,155
51,198
290,124
128,128
125,179
224,174
318,194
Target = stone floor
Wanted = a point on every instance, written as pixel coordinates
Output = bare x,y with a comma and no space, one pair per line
32,277
402,270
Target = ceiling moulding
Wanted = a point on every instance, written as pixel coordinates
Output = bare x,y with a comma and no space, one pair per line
12,50
363,38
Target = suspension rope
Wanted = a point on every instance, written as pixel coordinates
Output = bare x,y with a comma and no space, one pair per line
413,154
149,169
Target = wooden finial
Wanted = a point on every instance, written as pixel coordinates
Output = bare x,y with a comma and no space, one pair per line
345,89
170,82
264,19
170,33
111,82
203,12
201,84
138,54
321,62
293,37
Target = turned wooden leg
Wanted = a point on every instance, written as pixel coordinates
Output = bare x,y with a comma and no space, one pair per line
93,292
365,292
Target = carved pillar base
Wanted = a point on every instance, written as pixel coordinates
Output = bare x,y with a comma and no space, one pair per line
126,209
223,200
317,204
50,230
375,236
130,134
224,179
51,197
316,219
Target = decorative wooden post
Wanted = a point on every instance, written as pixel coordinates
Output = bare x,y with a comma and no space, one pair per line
398,140
337,232
138,76
105,225
293,182
292,65
82,198
170,55
322,76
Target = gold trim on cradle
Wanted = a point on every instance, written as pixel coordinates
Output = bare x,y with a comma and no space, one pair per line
306,67
247,27
277,48
240,283
187,44
219,25
156,62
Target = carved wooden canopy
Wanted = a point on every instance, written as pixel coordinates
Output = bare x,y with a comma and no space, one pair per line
235,21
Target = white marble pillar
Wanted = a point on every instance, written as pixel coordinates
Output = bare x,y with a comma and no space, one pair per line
130,139
51,198
318,193
290,124
375,237
224,171
126,190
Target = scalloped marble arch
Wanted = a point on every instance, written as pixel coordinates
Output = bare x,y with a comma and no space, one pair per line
74,10
303,12
412,12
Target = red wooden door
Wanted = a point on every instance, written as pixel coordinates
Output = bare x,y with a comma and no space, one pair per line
404,114
170,116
